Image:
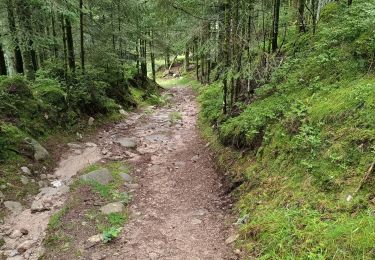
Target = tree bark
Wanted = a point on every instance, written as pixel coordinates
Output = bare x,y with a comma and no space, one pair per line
65,50
152,56
226,52
81,36
18,61
187,60
70,45
55,50
3,66
301,16
29,55
144,58
275,27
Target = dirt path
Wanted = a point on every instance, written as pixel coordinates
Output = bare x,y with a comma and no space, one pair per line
178,210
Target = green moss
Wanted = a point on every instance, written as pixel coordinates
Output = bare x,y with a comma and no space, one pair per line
314,127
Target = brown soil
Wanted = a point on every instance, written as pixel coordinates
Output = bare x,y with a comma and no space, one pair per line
179,209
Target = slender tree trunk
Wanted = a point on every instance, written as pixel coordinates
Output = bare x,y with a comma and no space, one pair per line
264,27
3,66
350,2
55,50
152,56
315,4
137,47
275,27
226,52
168,58
301,16
18,61
187,60
70,45
29,55
81,35
144,58
65,50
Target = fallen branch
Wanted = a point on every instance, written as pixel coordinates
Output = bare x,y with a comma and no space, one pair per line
365,178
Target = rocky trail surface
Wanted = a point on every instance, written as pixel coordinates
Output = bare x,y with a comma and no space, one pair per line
179,207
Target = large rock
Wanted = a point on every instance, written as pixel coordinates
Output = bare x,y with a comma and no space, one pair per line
40,153
127,142
115,207
102,176
13,206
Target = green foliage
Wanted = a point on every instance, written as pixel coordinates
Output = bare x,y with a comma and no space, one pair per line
210,99
248,128
174,117
310,132
111,234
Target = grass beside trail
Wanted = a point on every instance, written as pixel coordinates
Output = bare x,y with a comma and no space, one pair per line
81,218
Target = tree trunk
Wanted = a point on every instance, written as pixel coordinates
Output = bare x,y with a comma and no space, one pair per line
187,60
275,27
18,61
196,59
65,50
152,56
81,36
3,66
144,58
138,55
29,55
226,52
301,16
55,50
315,4
70,45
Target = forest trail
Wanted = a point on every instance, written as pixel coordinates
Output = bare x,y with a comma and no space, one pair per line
179,205
178,211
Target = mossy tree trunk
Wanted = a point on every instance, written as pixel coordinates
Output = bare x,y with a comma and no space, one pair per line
275,26
301,16
18,61
152,56
226,53
26,30
70,45
3,66
81,32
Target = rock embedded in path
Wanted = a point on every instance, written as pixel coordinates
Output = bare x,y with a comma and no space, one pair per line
102,176
23,247
195,158
127,142
74,146
26,170
93,241
24,180
90,122
126,177
115,207
231,239
13,206
39,206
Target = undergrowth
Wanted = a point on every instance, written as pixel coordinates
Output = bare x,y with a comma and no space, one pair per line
303,146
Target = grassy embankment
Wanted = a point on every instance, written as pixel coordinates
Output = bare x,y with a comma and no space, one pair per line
303,149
